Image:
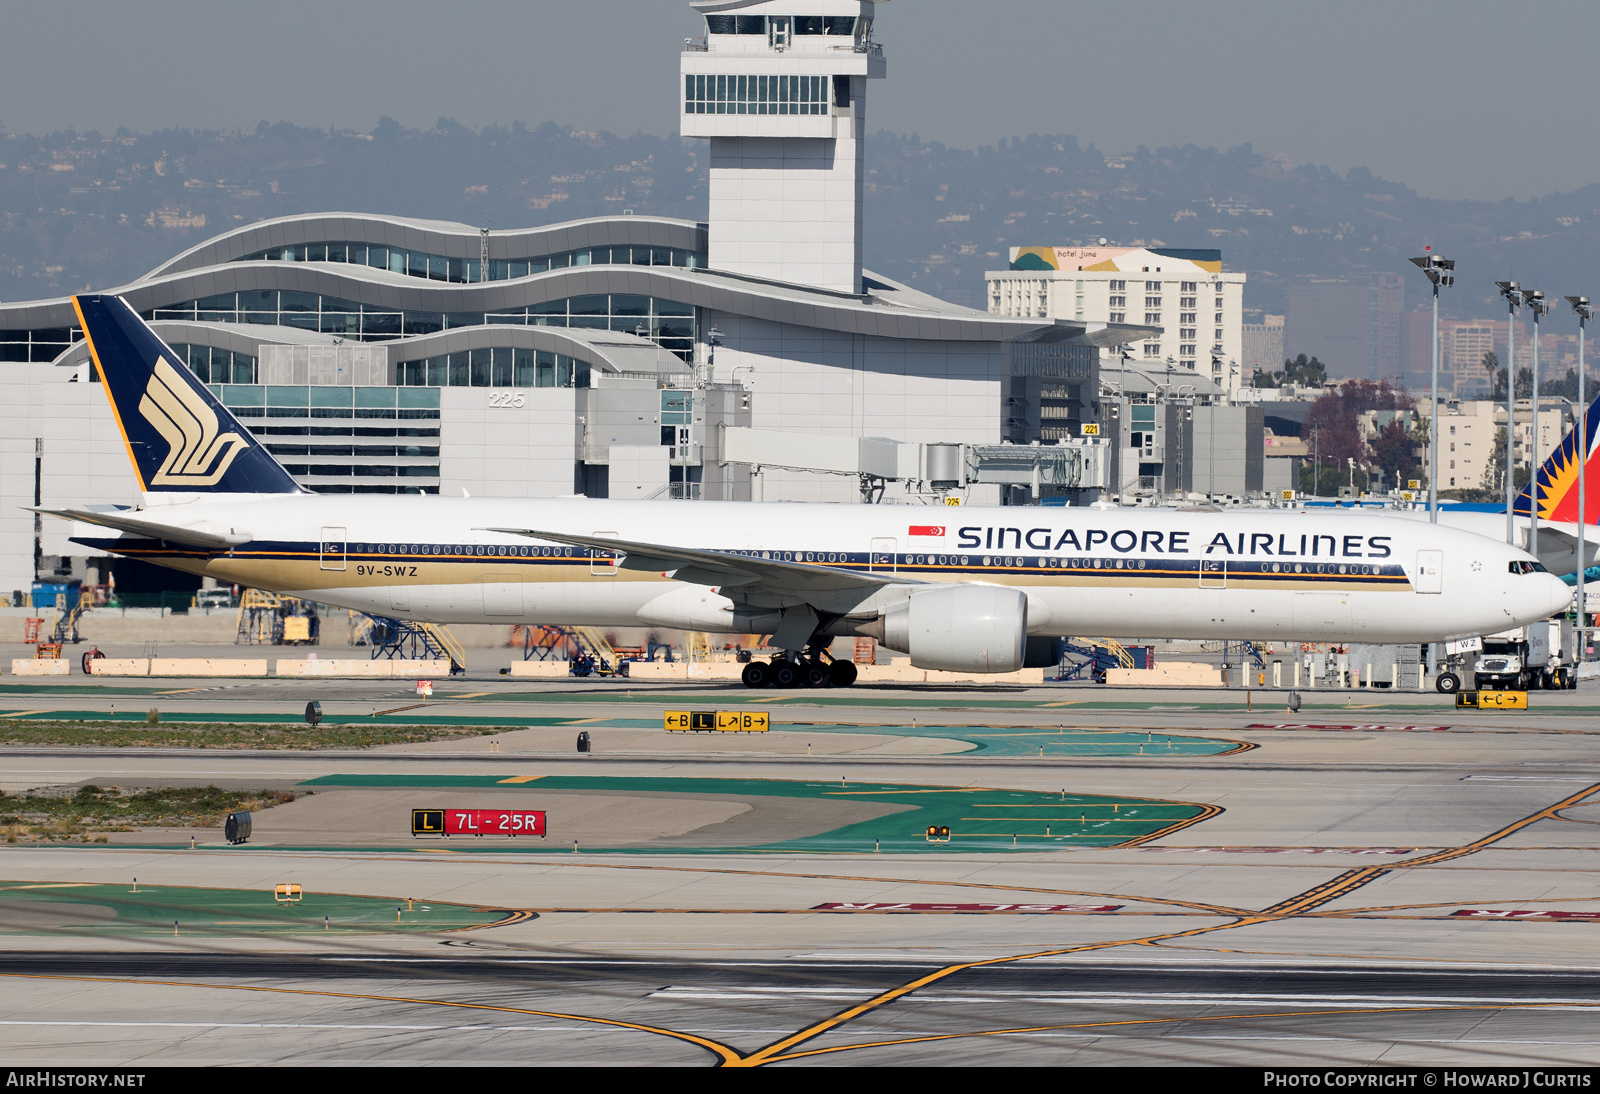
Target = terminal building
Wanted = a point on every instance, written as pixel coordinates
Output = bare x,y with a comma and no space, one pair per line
610,357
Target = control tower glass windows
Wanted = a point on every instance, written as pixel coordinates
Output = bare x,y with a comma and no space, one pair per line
839,26
709,94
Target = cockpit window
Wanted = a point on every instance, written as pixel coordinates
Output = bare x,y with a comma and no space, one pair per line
1523,567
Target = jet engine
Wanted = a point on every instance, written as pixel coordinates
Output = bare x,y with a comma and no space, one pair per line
959,628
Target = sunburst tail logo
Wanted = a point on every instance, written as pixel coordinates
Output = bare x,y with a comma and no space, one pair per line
1557,478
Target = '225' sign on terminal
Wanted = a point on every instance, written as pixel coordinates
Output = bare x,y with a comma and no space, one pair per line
477,822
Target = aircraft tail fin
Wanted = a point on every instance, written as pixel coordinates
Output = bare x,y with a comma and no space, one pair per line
180,438
1558,477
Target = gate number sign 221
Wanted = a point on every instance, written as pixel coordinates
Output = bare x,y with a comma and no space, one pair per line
477,822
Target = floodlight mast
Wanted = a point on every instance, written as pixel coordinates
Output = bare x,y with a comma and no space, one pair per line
1580,306
1539,306
1514,299
1440,271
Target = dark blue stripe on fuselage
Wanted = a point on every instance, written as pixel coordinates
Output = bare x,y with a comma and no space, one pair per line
909,563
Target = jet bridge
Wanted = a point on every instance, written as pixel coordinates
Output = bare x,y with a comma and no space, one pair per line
1077,468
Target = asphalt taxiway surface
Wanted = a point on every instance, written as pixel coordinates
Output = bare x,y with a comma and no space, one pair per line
1189,877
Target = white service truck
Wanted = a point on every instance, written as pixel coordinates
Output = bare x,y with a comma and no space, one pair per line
1540,656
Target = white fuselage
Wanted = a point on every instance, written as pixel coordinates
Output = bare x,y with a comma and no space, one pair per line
1115,572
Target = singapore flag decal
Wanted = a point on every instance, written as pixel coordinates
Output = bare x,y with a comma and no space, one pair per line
925,530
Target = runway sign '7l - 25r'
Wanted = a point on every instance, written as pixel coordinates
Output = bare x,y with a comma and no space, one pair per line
477,822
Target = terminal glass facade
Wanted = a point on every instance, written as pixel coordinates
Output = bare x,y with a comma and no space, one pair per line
500,366
666,322
45,344
345,440
217,366
466,271
669,324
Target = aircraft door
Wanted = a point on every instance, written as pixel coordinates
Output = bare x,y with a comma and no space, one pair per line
333,545
1430,572
881,559
603,563
1213,573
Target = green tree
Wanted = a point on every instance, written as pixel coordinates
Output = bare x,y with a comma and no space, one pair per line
1307,372
1302,370
1566,387
1524,384
1391,451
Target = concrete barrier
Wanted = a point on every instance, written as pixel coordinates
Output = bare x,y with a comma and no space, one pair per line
119,666
420,670
373,670
204,666
541,670
903,672
1175,674
36,666
683,671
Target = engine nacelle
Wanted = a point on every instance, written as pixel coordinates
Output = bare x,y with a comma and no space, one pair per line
961,628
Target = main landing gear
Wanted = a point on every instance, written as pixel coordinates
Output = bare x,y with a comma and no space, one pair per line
809,669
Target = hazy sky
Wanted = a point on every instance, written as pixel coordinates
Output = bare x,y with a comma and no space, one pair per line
1463,99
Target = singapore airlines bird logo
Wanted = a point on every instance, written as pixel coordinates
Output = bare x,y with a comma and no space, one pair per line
196,454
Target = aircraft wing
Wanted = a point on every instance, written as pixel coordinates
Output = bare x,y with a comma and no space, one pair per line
139,526
719,567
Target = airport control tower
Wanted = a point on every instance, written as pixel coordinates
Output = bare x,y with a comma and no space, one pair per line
780,89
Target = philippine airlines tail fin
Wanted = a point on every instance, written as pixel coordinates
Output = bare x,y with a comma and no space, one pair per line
180,438
1558,478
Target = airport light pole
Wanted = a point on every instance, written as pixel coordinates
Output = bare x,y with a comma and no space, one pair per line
1514,300
1440,271
1538,305
1580,305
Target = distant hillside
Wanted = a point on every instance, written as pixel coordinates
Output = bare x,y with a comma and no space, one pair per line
86,210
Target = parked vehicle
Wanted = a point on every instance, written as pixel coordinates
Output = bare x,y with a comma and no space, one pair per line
1540,656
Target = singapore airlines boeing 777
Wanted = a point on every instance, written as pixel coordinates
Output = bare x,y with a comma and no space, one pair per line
957,588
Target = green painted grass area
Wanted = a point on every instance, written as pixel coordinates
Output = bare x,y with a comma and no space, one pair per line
979,819
406,718
222,731
66,908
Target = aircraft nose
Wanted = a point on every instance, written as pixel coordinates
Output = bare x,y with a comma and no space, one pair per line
1558,595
